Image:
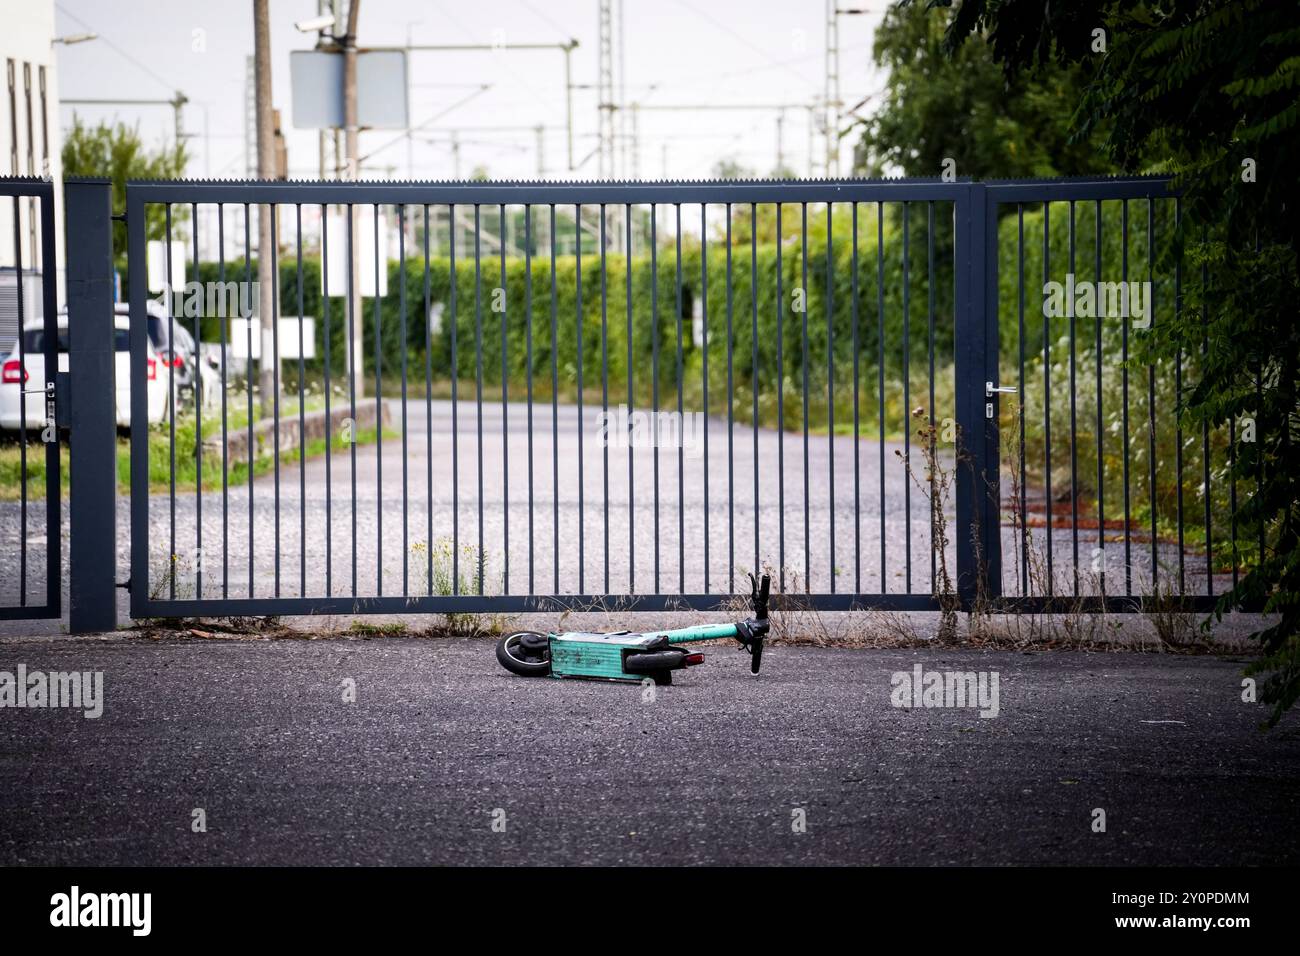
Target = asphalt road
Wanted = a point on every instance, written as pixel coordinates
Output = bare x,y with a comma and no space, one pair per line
441,743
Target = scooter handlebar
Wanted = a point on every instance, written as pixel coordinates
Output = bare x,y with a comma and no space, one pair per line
754,631
760,589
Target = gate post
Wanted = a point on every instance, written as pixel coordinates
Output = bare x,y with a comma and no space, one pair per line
978,531
92,493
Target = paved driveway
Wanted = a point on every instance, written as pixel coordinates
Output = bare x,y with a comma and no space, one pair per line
440,742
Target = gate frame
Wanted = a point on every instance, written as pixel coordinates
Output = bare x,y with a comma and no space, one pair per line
978,580
968,205
1000,192
43,190
975,361
92,368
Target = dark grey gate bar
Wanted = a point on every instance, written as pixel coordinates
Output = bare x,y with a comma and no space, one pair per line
92,360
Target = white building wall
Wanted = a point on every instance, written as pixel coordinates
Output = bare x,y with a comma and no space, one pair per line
30,140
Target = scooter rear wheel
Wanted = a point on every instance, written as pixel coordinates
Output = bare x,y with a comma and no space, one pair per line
526,653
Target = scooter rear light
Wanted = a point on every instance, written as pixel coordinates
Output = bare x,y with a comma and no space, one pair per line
14,373
696,658
151,372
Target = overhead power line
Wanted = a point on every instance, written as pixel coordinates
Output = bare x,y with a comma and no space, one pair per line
114,47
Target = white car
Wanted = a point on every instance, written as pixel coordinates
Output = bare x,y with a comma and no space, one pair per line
15,379
193,373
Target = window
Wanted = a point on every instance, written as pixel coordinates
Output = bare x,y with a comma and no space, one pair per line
13,119
34,340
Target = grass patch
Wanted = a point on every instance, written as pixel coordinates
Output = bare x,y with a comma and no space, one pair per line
160,465
187,469
367,629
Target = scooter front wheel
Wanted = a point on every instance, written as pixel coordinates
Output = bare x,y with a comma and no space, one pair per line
525,653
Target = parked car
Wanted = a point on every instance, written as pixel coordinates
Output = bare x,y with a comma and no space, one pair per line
21,374
188,366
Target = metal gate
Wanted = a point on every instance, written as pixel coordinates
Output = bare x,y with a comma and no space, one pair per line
521,458
1125,505
518,396
33,352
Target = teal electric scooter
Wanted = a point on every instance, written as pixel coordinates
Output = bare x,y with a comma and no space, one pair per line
625,656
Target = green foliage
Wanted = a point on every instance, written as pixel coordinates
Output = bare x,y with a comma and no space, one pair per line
900,333
581,350
1131,420
118,154
731,168
962,106
1206,90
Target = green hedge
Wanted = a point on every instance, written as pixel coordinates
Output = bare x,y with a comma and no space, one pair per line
477,324
473,317
1152,389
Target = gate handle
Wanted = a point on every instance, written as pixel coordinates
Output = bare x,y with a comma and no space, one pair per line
990,389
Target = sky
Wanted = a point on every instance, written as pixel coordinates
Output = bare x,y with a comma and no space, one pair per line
675,53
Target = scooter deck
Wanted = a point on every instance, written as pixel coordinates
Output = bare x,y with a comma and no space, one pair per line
579,654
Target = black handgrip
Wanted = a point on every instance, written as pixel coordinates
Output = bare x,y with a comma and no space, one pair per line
754,630
759,591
